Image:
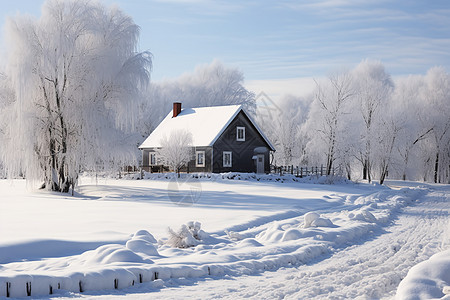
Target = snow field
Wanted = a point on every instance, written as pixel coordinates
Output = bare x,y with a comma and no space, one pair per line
369,268
269,244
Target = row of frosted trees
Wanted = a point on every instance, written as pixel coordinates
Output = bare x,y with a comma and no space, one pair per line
370,126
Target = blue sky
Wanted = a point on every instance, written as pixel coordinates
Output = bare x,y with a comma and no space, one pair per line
279,41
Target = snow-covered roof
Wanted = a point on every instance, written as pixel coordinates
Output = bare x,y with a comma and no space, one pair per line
205,124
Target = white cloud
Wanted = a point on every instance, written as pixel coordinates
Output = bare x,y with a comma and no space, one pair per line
277,88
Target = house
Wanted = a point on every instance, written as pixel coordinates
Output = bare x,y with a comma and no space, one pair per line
224,139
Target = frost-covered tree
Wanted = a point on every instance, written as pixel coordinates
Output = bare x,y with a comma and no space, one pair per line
176,149
76,76
209,85
409,108
385,141
373,87
421,105
436,95
7,97
325,125
282,122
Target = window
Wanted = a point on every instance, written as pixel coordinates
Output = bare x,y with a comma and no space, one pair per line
152,159
200,158
227,158
240,134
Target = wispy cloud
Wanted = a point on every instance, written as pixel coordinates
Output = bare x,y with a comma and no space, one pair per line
288,38
206,7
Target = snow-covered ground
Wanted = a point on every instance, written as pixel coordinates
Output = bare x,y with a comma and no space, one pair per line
261,237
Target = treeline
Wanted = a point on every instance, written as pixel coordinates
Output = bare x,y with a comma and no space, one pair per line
368,125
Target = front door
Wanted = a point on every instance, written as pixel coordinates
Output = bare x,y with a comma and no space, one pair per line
260,163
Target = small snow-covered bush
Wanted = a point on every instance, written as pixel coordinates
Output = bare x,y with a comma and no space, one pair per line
189,235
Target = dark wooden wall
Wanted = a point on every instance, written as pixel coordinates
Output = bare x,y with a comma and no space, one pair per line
207,167
243,151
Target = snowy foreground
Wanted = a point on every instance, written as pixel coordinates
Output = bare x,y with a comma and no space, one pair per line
245,236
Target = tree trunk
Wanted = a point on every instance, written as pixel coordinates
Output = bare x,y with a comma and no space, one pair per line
365,170
436,168
329,165
383,175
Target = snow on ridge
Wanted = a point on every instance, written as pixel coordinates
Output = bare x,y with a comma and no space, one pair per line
282,243
237,176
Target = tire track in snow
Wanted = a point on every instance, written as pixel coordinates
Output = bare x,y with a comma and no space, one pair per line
371,270
375,268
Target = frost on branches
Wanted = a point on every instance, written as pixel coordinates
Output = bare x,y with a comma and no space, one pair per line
176,150
188,235
76,76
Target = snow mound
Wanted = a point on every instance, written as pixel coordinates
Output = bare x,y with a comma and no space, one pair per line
234,236
313,219
250,243
113,253
428,279
363,215
273,233
145,235
142,242
292,234
141,246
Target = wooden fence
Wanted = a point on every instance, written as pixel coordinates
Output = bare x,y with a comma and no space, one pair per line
301,171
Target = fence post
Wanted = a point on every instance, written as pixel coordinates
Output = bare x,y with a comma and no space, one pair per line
321,170
8,287
28,288
292,169
297,171
301,172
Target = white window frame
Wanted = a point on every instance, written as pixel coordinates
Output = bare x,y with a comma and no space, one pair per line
197,164
153,162
242,139
225,163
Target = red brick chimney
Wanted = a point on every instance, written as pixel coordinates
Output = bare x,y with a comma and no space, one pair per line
176,109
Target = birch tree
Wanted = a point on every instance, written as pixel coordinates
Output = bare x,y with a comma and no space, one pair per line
76,75
373,87
282,122
385,144
437,119
7,98
176,149
325,121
